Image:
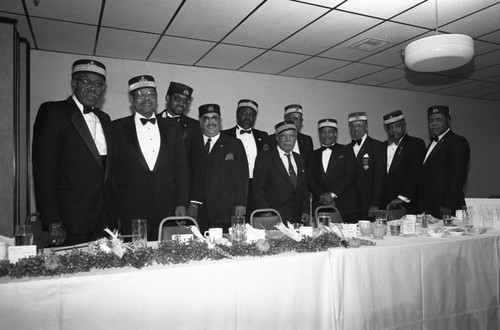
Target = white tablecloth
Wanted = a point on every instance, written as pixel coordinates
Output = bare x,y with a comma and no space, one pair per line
403,283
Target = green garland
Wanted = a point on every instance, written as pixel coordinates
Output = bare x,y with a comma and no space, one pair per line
167,252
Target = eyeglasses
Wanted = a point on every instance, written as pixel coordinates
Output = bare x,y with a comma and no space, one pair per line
145,94
86,83
180,99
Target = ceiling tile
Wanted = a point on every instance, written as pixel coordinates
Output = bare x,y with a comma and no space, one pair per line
484,74
324,3
87,11
484,47
381,77
180,51
493,89
466,88
400,84
350,72
64,37
313,40
492,37
477,24
391,32
448,10
495,79
229,56
273,22
314,67
152,17
273,62
487,60
210,19
378,8
11,6
125,44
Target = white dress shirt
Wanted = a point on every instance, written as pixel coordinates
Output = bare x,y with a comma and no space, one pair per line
149,139
212,141
325,157
357,147
248,141
95,128
284,159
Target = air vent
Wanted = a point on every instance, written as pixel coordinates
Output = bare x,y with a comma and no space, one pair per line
369,44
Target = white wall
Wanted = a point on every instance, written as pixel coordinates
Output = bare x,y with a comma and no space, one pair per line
474,119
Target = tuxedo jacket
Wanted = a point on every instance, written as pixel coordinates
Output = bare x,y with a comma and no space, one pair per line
71,181
191,135
404,172
141,192
274,189
370,174
443,175
221,179
304,141
338,177
261,138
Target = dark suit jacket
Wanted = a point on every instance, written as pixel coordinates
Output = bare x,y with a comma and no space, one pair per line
261,138
71,183
370,174
140,192
191,135
304,141
221,182
402,178
443,175
338,178
274,189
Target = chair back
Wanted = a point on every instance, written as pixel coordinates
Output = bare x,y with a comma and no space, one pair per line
395,211
165,233
265,222
335,216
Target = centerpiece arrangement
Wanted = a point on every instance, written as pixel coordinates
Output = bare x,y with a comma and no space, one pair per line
112,252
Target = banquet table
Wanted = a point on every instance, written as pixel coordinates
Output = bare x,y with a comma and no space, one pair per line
401,283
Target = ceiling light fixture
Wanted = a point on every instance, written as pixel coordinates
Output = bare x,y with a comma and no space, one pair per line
439,52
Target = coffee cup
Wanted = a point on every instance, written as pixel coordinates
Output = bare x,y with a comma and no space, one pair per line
213,234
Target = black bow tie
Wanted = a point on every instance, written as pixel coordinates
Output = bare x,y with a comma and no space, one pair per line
358,142
435,138
396,142
87,110
144,121
242,131
326,147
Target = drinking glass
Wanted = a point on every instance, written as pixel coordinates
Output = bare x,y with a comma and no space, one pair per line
23,235
139,233
447,220
324,218
365,227
238,233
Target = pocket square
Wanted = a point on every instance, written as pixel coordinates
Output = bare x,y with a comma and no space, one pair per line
341,156
229,156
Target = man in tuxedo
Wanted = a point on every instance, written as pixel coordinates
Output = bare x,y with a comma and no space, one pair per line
150,174
280,180
370,165
405,155
220,184
253,140
177,100
304,144
71,141
445,167
331,172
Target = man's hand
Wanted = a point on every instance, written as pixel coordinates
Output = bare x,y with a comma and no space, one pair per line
372,211
192,211
240,210
327,199
180,211
57,233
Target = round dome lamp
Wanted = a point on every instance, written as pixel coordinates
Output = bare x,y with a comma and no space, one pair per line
439,52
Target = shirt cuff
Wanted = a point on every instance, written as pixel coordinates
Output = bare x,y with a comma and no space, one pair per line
404,199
